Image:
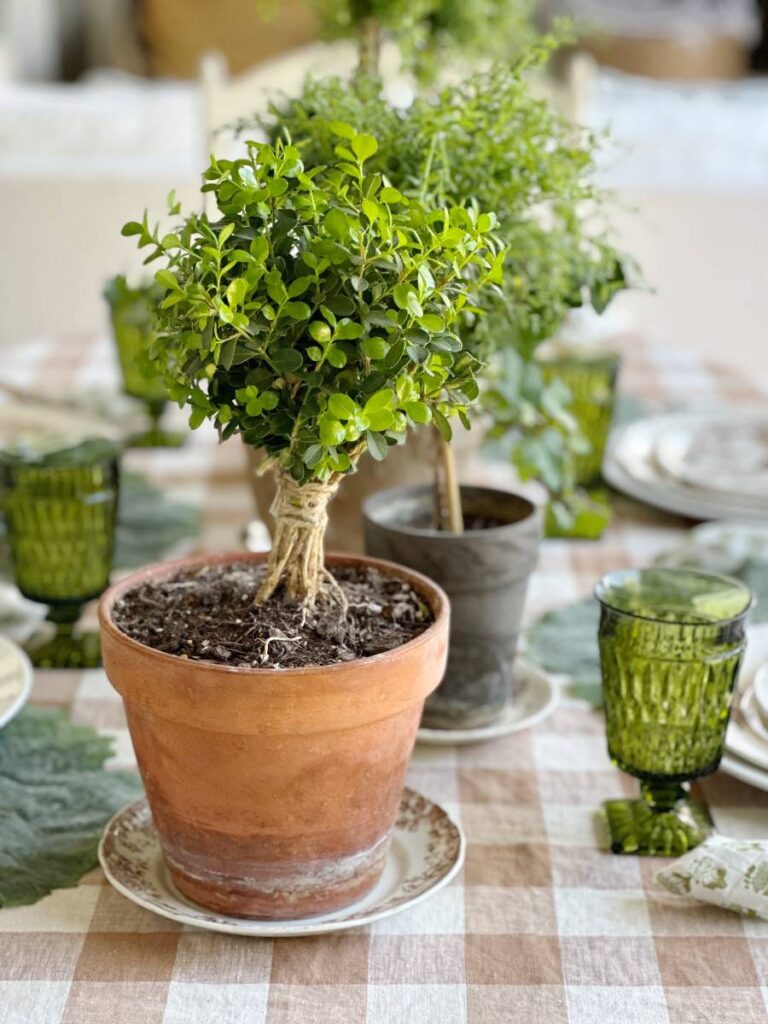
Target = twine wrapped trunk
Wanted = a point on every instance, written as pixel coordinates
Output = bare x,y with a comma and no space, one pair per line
297,558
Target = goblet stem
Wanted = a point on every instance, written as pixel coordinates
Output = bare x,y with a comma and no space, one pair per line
65,649
662,796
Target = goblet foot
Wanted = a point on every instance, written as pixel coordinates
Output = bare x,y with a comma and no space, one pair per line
64,650
652,829
155,437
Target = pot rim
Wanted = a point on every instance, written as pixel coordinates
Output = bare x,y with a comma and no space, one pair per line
385,497
437,599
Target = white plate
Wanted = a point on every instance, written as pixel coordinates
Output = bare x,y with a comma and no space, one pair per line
427,850
535,698
630,466
744,772
727,453
15,680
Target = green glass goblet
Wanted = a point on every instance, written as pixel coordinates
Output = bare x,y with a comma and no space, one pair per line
591,378
60,510
671,642
131,311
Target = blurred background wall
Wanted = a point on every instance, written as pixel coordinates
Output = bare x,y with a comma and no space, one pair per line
103,109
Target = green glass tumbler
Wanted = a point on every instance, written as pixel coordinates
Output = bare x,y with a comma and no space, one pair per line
591,378
131,311
671,642
60,511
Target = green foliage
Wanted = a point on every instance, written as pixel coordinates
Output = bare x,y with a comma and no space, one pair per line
55,799
428,32
317,317
490,140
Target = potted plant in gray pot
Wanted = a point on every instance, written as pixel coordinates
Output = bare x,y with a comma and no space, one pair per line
295,680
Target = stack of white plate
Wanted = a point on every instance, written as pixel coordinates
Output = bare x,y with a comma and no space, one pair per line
746,742
705,465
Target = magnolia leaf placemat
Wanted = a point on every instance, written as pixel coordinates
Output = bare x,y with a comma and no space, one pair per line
150,525
565,641
55,798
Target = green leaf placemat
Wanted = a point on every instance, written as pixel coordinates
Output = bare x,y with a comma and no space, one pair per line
565,641
55,798
149,523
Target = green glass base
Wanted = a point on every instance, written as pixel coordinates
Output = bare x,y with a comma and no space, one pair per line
157,438
639,827
80,650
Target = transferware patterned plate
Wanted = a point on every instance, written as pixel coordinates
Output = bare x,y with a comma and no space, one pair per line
427,850
15,679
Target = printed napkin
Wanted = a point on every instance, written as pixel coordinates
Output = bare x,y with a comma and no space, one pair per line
731,873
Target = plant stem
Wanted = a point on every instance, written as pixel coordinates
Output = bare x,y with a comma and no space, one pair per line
447,492
369,47
297,557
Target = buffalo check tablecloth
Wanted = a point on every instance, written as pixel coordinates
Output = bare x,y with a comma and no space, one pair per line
541,925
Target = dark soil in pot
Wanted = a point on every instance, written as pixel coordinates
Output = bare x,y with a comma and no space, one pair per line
209,614
485,572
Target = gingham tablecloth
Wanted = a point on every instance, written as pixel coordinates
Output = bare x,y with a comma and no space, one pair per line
540,928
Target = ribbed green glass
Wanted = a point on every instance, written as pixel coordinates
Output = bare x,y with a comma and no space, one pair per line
60,510
671,642
591,379
131,311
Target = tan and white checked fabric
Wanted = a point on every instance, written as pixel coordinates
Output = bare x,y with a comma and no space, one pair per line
541,927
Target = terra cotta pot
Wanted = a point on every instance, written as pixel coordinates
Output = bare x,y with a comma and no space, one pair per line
274,791
485,573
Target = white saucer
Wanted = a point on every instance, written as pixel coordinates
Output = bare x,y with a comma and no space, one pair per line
426,852
15,679
536,697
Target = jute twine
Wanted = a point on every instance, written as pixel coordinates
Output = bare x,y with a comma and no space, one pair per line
297,555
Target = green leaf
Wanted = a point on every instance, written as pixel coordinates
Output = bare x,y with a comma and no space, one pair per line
335,223
400,294
377,445
370,209
413,304
344,131
259,248
167,279
131,228
313,455
380,419
364,146
432,323
391,195
418,411
286,360
196,418
348,331
336,357
298,287
442,424
236,291
320,331
375,348
342,407
225,232
55,798
384,399
331,431
297,310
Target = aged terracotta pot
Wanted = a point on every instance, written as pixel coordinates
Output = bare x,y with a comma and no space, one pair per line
274,791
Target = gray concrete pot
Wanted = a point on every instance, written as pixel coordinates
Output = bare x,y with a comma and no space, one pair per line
485,573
